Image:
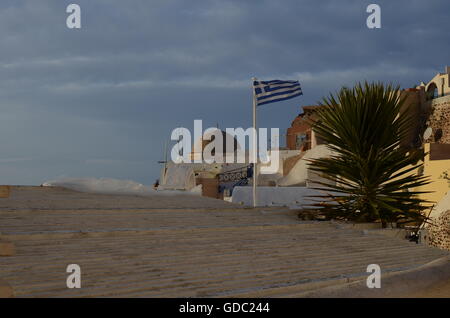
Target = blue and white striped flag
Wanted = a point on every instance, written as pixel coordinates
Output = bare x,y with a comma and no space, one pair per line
274,91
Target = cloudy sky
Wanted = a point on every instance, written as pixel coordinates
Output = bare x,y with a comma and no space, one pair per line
102,101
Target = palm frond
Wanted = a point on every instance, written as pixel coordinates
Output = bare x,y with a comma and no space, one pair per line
371,175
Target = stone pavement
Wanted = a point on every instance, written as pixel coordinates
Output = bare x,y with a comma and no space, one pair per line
181,246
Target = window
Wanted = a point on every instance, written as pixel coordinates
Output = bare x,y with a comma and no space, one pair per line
302,141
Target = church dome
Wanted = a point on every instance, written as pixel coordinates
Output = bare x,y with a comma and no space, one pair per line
209,136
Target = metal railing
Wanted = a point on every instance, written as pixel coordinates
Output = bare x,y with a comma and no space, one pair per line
234,175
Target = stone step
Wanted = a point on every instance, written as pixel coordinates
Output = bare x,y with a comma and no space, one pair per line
156,250
229,260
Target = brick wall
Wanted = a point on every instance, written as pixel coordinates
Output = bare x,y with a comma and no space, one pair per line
299,126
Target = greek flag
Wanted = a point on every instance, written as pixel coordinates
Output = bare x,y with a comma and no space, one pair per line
274,91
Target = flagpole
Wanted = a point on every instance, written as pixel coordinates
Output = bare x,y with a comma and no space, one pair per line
273,91
255,147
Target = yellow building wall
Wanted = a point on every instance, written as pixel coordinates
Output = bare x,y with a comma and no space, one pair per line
435,169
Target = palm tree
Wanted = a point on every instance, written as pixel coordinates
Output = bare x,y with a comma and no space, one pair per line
371,176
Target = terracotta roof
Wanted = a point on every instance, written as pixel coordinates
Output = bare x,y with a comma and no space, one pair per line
311,107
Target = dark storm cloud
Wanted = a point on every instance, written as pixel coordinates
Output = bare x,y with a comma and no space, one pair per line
101,101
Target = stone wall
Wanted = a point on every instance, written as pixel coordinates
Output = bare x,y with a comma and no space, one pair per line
439,120
439,232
